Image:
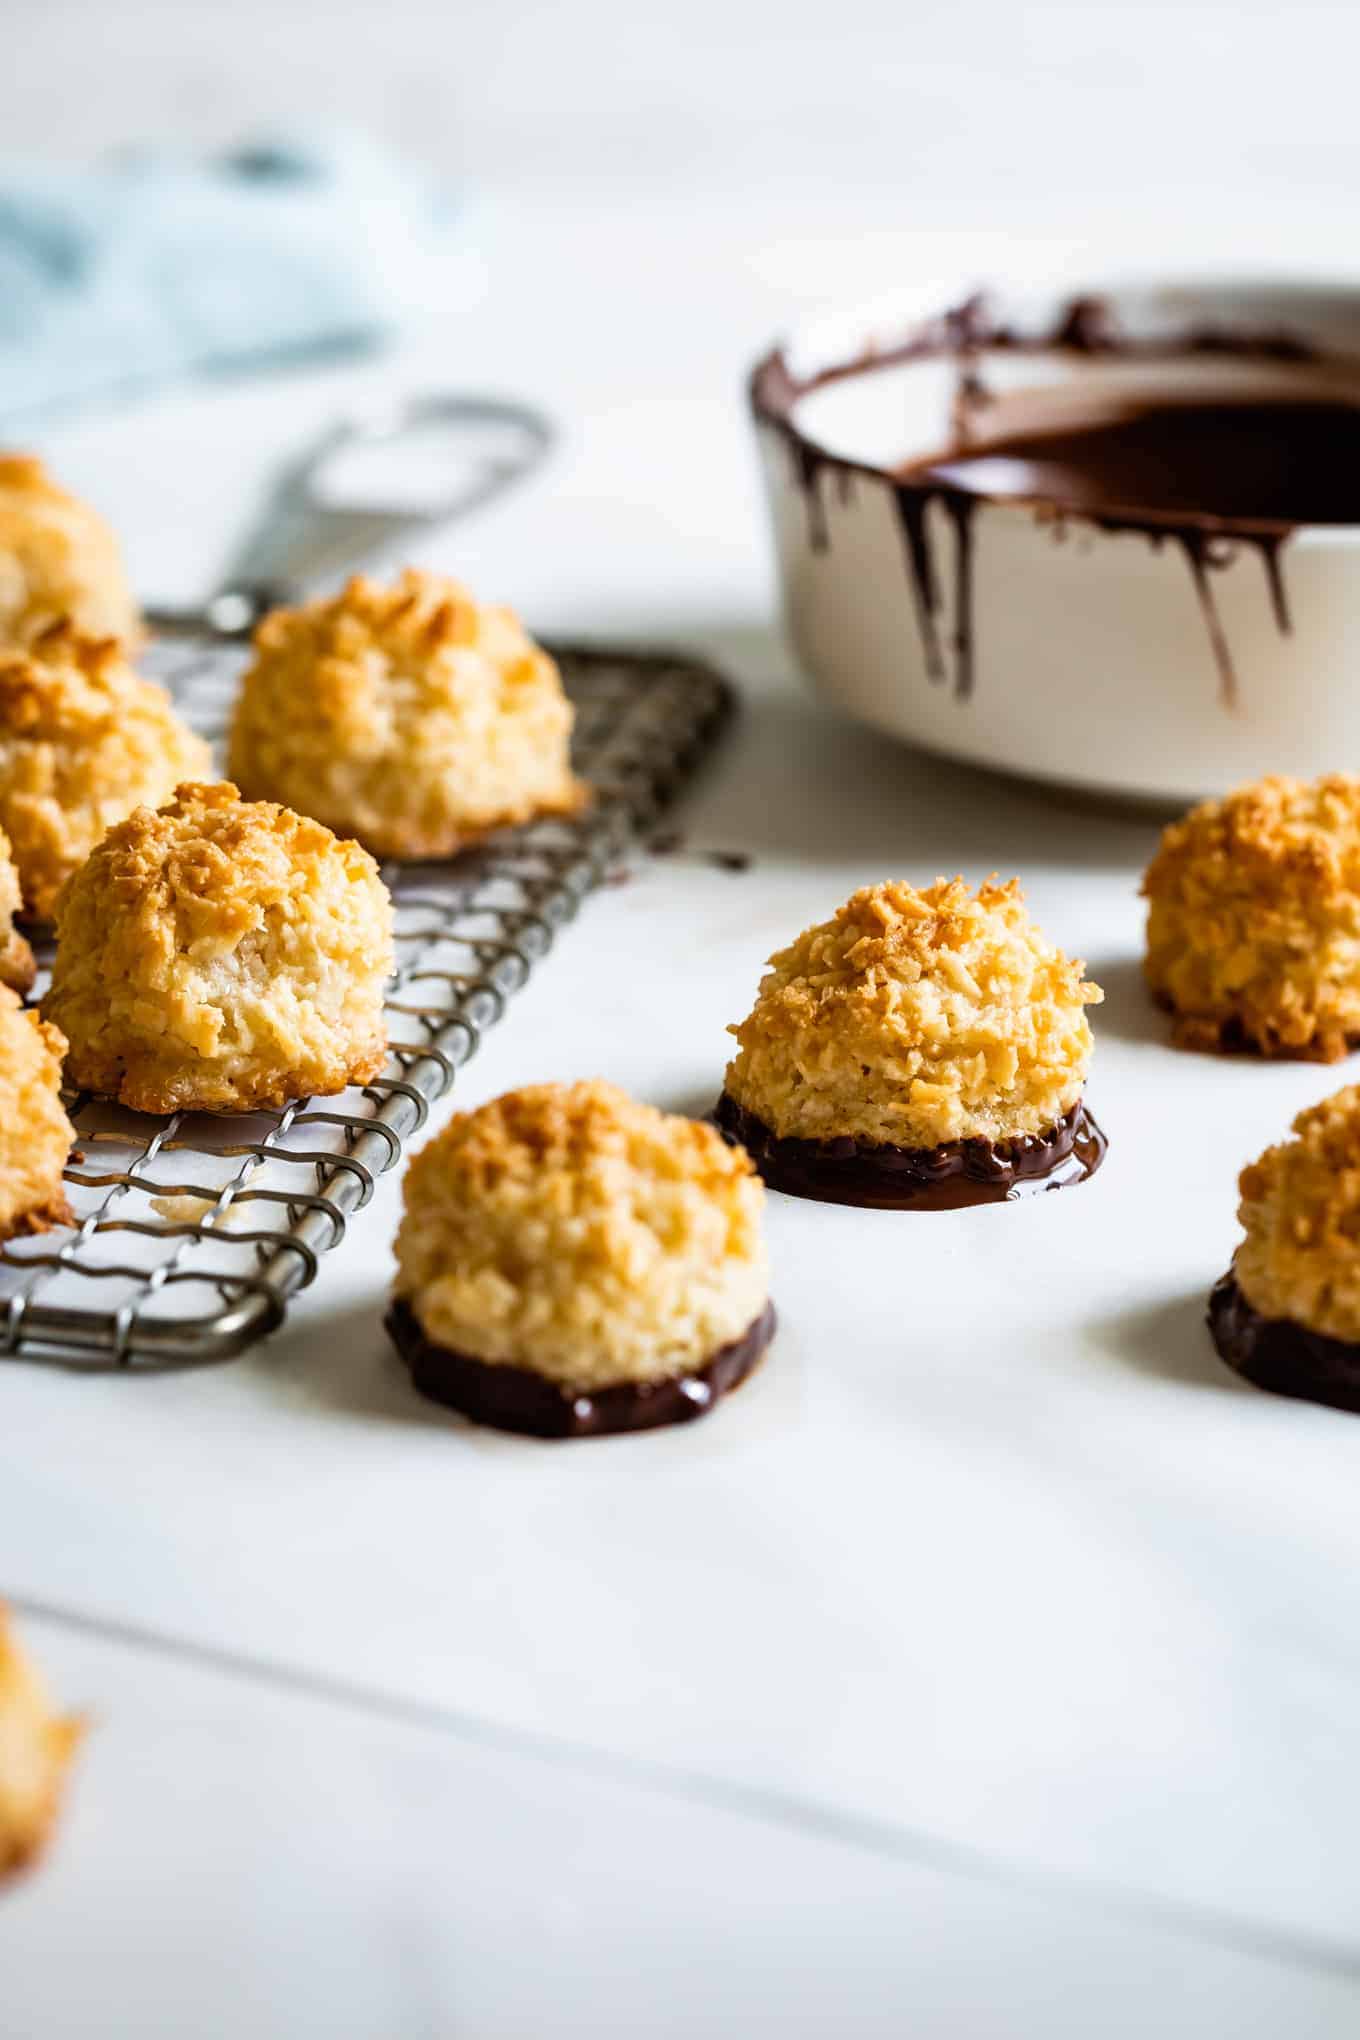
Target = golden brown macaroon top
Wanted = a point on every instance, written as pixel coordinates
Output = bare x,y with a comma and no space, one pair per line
84,739
1253,933
570,1229
1300,1211
411,716
36,1748
912,1018
35,1135
57,558
17,968
222,954
213,863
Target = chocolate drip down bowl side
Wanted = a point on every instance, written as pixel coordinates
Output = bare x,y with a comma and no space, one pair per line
1110,541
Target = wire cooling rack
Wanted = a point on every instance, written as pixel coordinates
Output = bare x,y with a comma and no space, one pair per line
192,1233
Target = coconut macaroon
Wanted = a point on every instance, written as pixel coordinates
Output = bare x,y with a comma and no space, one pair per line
572,1262
921,1048
1288,1313
1253,935
222,955
412,717
17,967
36,1748
83,741
58,558
35,1134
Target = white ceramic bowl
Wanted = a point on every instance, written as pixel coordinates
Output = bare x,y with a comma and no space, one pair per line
1098,659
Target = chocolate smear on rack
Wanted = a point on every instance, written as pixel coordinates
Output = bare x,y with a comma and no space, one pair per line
951,1177
1214,477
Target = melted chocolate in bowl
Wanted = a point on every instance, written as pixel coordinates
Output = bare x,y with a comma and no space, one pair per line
1213,472
1275,461
946,1178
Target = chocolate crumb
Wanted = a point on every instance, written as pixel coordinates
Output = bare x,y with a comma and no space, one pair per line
672,843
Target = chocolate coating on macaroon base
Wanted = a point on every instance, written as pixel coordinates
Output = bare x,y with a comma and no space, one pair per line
517,1399
945,1178
1229,1037
1281,1356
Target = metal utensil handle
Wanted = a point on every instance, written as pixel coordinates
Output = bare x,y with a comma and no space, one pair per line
301,539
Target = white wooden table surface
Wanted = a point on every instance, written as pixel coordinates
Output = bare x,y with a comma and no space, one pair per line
989,1666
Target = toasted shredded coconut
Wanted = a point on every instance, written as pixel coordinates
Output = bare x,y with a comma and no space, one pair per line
35,1134
83,741
1300,1209
912,1018
16,958
412,717
58,558
36,1748
222,954
570,1229
1254,919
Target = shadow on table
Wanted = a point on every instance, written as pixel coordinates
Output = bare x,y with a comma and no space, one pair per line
1170,1340
800,777
1127,1012
344,1361
795,779
698,1103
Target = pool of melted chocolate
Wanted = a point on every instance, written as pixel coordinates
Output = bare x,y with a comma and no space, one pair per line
512,1398
1280,1356
1270,461
1209,475
946,1178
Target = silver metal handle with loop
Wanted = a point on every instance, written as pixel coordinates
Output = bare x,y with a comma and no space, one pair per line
361,491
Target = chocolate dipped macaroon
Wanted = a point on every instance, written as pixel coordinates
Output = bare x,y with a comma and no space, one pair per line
1287,1314
1253,932
571,1262
920,1050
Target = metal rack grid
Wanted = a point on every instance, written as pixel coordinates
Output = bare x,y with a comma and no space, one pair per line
193,1232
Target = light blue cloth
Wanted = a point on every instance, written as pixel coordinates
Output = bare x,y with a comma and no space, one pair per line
153,267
